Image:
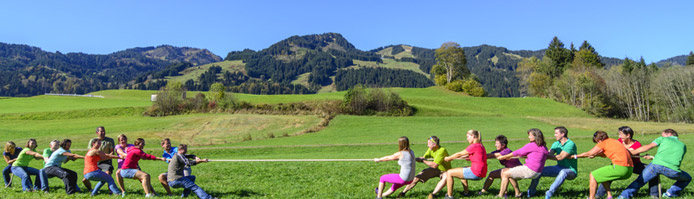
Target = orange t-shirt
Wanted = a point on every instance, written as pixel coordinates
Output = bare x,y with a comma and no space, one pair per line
614,150
90,163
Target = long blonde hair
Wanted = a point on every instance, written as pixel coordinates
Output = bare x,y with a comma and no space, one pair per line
404,143
10,147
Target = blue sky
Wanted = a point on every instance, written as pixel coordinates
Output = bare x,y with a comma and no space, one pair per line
653,29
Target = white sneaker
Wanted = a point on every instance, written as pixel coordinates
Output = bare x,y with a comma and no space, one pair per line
149,195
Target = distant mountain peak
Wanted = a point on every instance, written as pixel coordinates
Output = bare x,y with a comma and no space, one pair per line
319,42
195,56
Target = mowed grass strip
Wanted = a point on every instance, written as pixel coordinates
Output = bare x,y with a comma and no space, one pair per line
371,129
194,129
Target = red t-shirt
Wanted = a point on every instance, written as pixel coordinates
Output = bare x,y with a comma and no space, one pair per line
134,155
634,146
478,157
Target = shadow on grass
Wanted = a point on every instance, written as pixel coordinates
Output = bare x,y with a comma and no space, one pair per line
238,192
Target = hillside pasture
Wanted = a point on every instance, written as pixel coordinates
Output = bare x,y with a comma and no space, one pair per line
388,63
195,71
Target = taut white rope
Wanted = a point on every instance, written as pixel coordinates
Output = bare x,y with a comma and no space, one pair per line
290,160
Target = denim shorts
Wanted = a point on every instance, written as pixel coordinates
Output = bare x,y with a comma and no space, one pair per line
467,174
128,173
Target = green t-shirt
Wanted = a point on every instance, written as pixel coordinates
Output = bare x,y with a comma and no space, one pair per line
438,156
47,153
23,158
670,152
570,148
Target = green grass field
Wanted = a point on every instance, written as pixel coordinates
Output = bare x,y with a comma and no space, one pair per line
222,136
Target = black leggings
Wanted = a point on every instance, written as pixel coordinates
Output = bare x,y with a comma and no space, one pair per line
69,177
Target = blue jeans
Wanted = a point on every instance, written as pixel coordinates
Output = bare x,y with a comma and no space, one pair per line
638,169
652,171
102,177
188,184
557,171
6,175
24,173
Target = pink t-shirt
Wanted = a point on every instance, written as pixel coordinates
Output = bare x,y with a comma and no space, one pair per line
478,157
536,156
125,150
134,155
634,146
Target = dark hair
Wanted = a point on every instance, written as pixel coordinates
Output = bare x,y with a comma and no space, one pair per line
64,143
562,130
502,139
100,127
404,143
627,130
539,138
435,139
599,136
29,141
180,146
165,140
671,131
138,141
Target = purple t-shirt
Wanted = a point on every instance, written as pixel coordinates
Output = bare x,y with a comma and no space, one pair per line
120,161
16,153
536,156
508,163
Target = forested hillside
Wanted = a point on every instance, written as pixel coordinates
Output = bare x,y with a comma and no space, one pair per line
27,71
299,64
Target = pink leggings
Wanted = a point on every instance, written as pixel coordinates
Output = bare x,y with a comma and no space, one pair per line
394,179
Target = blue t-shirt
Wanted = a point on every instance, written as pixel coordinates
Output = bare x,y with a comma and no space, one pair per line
168,156
57,158
16,153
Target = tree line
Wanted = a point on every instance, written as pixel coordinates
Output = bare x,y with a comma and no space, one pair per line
632,89
380,77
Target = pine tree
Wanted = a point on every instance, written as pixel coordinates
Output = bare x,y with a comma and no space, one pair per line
690,58
560,56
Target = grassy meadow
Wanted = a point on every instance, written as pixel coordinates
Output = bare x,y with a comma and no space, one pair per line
220,136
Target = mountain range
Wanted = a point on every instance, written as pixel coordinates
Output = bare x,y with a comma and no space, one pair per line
299,64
